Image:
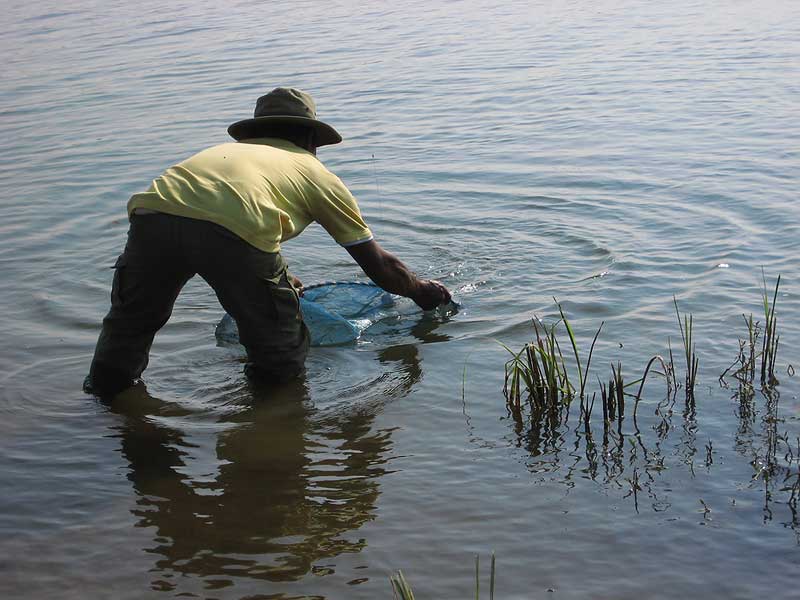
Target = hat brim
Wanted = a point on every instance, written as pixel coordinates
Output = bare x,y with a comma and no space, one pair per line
259,127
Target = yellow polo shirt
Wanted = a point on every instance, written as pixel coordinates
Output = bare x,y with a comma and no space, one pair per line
264,190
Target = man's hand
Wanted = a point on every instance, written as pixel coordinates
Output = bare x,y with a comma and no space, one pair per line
431,294
296,283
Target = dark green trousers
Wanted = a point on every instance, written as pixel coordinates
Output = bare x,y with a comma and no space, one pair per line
162,253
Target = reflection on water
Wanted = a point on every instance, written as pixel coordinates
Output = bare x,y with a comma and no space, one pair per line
290,484
631,457
773,454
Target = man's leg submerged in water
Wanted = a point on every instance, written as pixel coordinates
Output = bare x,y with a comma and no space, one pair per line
148,277
254,287
163,252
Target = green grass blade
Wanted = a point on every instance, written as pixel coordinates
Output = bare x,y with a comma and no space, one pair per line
477,577
400,587
491,579
573,342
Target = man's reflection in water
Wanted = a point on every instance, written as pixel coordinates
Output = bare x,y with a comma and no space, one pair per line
292,481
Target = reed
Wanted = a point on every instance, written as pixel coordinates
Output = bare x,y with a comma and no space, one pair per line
743,368
753,332
565,387
769,348
666,374
692,362
492,570
582,375
619,388
538,373
400,587
477,577
604,399
672,365
586,412
402,590
539,369
540,366
515,372
745,362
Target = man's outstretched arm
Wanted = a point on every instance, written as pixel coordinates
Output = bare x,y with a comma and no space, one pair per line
389,273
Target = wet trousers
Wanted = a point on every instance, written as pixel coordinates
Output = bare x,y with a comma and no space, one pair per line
162,253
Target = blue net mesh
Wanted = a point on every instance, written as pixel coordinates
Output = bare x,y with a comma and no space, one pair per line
335,313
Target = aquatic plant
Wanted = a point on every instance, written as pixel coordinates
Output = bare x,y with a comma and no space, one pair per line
745,362
400,587
540,386
582,376
402,590
540,380
743,368
538,374
692,362
541,367
668,374
769,349
613,396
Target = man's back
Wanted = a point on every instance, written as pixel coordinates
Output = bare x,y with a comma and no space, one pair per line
266,191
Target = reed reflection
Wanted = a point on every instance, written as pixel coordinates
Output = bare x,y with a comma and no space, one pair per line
621,451
540,390
774,454
292,483
628,452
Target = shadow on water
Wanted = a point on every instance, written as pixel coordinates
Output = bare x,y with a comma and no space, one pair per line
289,487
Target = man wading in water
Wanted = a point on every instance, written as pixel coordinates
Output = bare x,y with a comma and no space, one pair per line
223,214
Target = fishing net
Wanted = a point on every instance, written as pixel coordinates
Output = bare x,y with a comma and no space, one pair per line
335,312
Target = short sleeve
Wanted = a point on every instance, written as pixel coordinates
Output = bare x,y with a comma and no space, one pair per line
335,208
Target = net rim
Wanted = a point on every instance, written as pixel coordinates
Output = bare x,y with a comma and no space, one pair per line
330,283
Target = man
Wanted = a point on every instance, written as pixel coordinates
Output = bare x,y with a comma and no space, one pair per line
223,214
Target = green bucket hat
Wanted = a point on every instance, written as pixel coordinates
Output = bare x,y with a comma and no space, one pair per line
284,105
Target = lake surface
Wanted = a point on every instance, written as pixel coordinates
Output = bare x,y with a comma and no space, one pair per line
610,154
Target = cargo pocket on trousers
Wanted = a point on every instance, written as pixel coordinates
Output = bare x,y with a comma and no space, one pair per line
285,302
117,284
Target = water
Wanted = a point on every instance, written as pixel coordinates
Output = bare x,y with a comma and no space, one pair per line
610,154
